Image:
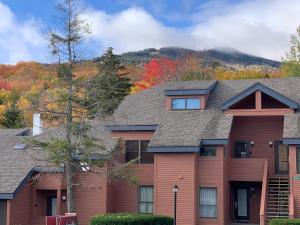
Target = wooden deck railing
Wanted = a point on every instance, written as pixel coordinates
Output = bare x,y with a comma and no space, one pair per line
291,207
249,169
263,200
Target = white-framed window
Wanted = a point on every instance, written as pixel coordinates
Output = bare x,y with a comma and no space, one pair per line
145,199
208,202
185,103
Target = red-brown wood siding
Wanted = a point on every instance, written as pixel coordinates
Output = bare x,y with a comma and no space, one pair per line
261,130
125,196
90,195
246,169
20,207
212,173
180,169
295,184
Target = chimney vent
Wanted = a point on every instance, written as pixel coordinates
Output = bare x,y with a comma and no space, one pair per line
37,124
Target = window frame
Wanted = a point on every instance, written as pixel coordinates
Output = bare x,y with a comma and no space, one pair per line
200,205
298,159
139,152
248,145
142,202
185,103
209,146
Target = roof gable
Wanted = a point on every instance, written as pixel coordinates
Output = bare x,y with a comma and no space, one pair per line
260,87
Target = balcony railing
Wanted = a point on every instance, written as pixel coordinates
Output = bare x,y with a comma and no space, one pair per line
246,169
264,194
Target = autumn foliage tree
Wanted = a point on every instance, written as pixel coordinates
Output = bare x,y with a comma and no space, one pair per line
156,71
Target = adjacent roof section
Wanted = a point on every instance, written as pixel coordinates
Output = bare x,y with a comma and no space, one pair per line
260,87
16,166
190,88
184,131
291,129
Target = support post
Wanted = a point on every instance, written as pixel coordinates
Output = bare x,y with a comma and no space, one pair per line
58,202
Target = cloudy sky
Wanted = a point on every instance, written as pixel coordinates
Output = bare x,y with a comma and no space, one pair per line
258,27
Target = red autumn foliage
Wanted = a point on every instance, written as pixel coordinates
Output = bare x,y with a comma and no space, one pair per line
157,71
4,85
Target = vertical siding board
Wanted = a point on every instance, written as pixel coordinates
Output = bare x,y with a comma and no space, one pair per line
295,184
211,173
177,169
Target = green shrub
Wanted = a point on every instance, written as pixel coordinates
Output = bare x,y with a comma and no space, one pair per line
131,219
285,222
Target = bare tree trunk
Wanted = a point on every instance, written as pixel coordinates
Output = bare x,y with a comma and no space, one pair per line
70,168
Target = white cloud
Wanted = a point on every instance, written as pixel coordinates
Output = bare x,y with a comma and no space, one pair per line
19,41
132,29
259,27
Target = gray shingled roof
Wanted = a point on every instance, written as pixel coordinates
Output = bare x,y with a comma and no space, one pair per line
291,126
185,85
190,127
15,165
148,108
175,128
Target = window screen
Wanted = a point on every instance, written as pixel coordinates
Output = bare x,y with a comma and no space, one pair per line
146,199
208,202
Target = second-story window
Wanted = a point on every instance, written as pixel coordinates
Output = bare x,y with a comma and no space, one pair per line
138,149
185,103
241,149
208,151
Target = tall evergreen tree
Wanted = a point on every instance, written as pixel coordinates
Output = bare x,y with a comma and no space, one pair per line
79,147
109,87
12,117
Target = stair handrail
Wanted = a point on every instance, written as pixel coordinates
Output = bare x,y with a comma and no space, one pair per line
262,216
291,206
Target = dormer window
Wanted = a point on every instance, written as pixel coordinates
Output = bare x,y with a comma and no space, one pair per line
185,103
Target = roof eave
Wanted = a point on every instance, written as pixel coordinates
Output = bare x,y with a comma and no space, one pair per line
173,149
180,92
131,127
291,141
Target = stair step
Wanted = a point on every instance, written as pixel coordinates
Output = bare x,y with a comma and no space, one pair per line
278,198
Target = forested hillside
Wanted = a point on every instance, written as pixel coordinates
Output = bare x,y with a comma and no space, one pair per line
35,82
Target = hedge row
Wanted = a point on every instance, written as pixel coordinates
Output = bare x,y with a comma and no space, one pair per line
285,222
131,219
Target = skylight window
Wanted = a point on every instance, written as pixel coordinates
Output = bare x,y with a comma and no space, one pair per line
185,103
20,146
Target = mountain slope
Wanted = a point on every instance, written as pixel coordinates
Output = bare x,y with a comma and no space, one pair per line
225,57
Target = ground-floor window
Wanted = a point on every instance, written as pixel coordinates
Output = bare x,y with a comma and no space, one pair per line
145,199
298,159
208,202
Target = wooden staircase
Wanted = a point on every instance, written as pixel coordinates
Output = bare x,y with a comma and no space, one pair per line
278,198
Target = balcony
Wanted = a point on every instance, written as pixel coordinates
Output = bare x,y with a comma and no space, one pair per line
246,169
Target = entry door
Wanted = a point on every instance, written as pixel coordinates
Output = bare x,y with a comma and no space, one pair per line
51,206
241,204
281,158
